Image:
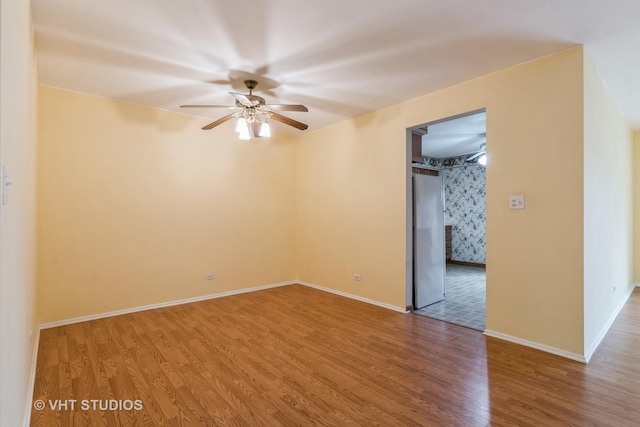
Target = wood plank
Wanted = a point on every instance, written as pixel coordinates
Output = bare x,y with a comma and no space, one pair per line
299,356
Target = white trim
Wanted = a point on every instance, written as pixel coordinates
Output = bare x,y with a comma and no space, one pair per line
354,297
161,305
605,328
569,355
32,379
212,296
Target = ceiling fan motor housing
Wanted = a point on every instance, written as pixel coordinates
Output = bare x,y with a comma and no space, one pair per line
253,98
250,84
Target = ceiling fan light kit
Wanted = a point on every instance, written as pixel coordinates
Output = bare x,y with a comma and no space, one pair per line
254,114
252,122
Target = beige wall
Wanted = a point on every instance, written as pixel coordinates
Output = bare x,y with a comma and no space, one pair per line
17,218
137,205
352,198
608,206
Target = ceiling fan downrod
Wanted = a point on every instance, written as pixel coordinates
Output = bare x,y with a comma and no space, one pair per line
250,84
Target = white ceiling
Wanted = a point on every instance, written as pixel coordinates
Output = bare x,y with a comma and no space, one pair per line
455,137
341,58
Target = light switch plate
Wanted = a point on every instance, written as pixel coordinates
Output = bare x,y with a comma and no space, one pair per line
516,202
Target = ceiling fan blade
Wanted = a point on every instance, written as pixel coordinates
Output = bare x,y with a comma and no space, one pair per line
242,99
287,107
206,106
218,122
288,121
478,154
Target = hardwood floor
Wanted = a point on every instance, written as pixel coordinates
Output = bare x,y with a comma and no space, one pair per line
299,356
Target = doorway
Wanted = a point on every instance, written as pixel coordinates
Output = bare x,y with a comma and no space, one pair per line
454,149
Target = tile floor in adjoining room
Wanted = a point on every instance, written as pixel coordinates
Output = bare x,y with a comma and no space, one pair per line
465,301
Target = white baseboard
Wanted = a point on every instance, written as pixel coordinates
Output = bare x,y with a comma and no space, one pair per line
354,297
569,355
574,356
32,379
592,349
213,296
161,305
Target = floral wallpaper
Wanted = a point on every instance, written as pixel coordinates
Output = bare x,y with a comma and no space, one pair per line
447,163
465,192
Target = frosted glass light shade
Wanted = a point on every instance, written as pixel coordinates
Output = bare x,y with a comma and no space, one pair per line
241,124
245,130
265,130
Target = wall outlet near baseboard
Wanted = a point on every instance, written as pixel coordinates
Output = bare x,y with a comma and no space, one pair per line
357,277
209,276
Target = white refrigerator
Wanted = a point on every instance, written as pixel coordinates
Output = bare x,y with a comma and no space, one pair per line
429,263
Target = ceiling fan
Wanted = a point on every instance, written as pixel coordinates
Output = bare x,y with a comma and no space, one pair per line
480,155
253,114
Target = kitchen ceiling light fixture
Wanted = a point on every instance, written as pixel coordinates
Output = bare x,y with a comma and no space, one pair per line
253,114
481,156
